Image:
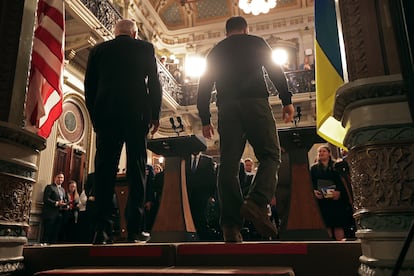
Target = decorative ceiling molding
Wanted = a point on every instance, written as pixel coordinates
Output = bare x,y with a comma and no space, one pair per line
201,25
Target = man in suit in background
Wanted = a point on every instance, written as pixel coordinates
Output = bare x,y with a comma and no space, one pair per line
123,96
55,204
247,176
201,186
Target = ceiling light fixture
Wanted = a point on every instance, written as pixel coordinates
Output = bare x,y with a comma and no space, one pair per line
256,6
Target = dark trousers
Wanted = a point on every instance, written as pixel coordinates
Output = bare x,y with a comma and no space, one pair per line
109,143
240,121
198,205
52,227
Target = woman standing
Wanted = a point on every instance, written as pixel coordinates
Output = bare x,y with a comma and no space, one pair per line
71,230
330,193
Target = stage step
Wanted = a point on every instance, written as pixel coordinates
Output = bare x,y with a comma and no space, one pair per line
264,258
205,271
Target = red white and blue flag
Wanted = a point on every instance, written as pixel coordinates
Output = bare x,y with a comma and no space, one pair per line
44,95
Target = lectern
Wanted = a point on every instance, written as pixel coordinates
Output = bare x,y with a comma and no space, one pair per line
297,208
174,222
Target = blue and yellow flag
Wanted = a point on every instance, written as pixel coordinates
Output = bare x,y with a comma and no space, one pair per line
329,74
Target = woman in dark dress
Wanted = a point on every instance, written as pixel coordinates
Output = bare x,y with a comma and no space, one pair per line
330,193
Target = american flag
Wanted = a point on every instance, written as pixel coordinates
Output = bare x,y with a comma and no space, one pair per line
44,95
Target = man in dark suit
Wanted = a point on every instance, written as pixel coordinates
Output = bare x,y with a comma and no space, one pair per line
247,176
55,204
123,96
201,185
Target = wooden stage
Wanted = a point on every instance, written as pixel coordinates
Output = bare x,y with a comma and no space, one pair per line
174,249
195,258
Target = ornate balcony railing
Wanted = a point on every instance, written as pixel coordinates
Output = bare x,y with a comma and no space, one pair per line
104,11
170,85
302,81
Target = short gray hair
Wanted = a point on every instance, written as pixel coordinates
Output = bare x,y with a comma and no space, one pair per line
125,27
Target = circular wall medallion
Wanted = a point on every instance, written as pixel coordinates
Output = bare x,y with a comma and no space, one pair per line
72,122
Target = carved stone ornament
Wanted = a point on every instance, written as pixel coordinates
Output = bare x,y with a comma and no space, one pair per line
382,176
377,134
15,200
8,267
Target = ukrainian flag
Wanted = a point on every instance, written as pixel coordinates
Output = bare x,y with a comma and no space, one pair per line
328,70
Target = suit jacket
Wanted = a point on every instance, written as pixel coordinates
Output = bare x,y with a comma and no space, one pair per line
201,184
50,196
121,83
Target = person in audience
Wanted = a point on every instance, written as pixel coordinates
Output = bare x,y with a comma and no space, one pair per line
306,64
235,67
330,192
82,226
274,216
342,167
247,176
201,187
90,207
157,186
163,60
71,217
123,96
55,204
155,183
249,231
149,206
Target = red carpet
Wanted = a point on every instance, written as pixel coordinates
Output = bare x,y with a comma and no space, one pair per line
259,271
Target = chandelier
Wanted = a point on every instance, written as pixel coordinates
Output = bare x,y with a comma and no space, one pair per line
256,6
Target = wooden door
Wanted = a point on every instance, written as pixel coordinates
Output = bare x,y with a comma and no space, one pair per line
71,162
77,167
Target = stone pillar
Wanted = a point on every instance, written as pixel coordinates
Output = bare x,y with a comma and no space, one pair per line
19,153
374,109
19,148
381,158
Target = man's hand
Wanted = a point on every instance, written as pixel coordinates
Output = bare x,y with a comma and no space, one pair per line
208,131
287,113
154,124
148,205
318,194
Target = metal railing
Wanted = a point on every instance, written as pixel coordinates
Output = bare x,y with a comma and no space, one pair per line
104,11
301,81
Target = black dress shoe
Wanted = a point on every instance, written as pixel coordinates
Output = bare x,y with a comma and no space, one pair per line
101,237
141,237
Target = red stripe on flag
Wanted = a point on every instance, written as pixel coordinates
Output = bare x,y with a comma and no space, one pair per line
44,95
53,9
47,38
54,114
52,78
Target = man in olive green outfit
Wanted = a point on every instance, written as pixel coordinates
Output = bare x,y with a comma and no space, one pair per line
235,66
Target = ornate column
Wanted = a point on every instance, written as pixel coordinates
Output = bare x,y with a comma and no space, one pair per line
374,109
381,158
19,148
19,153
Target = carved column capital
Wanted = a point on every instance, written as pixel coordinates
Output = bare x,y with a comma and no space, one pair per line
373,110
383,176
